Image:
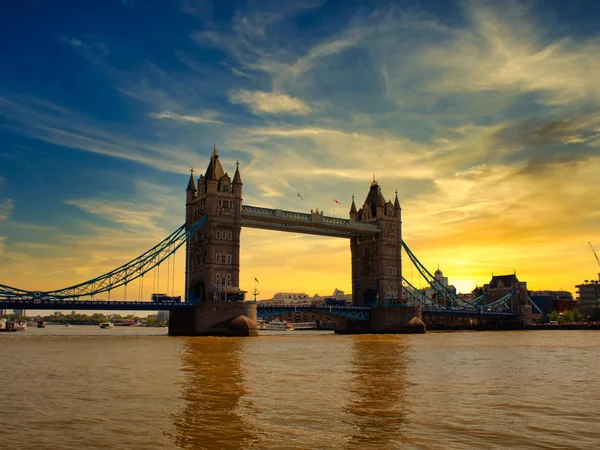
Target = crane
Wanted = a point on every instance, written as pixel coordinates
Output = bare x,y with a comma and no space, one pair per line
595,254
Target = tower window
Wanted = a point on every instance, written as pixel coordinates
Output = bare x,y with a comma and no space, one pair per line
228,259
229,236
225,204
217,259
218,234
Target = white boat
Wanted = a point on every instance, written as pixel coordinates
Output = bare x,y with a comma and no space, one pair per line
106,325
304,325
67,325
277,325
21,326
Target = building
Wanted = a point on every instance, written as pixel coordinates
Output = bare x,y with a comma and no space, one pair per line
2,312
19,312
213,254
288,298
340,296
376,258
162,316
589,298
548,301
441,279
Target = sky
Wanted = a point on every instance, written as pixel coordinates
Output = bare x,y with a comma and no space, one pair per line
484,115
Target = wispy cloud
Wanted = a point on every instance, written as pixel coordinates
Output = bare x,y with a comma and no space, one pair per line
6,207
269,102
203,118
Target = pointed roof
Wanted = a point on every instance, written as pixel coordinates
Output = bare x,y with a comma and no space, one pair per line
191,184
380,199
214,171
373,195
396,202
353,207
506,280
237,179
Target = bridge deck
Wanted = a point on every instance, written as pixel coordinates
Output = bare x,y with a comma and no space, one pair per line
315,223
353,312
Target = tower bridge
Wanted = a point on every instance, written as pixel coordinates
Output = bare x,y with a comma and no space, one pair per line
383,300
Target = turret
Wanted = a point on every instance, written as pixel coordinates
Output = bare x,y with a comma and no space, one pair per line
353,212
237,181
191,190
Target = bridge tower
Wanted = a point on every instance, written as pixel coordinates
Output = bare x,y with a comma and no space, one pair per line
213,256
376,258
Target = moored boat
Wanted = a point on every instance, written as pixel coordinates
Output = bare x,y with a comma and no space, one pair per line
277,325
106,325
304,325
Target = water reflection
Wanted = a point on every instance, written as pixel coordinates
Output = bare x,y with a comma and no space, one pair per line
377,408
212,389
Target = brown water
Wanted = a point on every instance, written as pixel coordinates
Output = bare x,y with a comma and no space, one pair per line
83,387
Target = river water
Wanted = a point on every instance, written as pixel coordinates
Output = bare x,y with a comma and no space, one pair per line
83,387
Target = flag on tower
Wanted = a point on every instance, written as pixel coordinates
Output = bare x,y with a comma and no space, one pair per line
337,201
300,196
255,279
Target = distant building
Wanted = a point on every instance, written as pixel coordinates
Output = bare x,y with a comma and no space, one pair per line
430,292
589,298
340,295
162,316
19,312
548,301
2,312
288,298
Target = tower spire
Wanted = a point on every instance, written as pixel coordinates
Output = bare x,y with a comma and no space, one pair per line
191,184
396,202
237,179
353,207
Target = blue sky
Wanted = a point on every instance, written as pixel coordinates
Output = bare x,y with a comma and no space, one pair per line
484,115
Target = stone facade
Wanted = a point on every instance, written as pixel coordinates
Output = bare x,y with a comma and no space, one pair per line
213,254
376,258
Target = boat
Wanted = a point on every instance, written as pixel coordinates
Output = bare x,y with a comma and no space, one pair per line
304,325
277,325
21,326
106,325
67,325
5,325
41,324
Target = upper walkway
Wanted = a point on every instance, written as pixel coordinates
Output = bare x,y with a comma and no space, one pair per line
296,222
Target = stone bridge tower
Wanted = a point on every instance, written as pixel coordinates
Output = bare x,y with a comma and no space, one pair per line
376,258
213,254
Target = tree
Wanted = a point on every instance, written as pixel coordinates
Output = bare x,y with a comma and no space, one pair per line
554,316
576,315
566,316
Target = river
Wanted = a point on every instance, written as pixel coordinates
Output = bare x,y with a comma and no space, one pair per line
83,387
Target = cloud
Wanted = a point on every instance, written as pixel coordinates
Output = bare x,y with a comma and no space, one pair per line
184,118
39,119
6,207
504,48
91,46
269,102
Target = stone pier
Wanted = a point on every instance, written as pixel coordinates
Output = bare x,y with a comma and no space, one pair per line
385,320
215,319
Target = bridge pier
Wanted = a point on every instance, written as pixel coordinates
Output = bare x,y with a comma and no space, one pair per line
393,319
215,319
